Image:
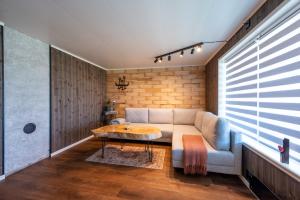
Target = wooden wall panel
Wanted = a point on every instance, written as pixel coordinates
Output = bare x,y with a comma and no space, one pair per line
281,184
1,102
77,98
212,65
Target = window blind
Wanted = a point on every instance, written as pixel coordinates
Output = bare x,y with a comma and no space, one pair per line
262,89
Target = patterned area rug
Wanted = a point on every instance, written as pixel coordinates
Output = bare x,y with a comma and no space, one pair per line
129,156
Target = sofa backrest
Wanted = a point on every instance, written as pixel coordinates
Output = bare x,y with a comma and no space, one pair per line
136,115
184,116
199,119
175,116
160,116
208,128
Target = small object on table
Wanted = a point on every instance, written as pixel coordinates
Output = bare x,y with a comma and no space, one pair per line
118,121
121,131
284,151
109,116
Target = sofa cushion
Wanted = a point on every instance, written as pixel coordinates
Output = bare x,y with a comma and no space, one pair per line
160,116
216,131
166,129
223,135
215,157
208,127
199,119
186,129
136,115
184,116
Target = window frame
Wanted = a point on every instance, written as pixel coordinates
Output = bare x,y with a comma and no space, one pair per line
278,17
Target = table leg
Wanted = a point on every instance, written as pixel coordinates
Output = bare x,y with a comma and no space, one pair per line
103,143
122,145
149,149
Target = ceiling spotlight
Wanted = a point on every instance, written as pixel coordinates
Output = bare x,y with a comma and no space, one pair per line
169,57
198,48
160,59
155,61
181,54
192,51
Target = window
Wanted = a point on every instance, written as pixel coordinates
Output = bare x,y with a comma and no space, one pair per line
260,87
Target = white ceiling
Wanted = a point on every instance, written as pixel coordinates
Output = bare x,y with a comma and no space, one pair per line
129,33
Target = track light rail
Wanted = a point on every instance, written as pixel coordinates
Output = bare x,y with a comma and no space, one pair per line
179,50
197,45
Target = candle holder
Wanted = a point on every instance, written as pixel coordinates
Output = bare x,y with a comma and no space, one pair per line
284,151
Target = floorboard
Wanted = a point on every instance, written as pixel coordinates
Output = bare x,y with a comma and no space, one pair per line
69,176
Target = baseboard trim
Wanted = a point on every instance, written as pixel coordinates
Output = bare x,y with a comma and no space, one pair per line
2,177
27,165
70,146
247,184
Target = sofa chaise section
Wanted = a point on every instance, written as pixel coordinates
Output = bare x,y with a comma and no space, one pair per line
227,162
223,145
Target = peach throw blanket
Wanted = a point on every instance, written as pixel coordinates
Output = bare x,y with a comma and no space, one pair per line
195,154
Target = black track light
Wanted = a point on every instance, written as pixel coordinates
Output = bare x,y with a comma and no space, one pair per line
192,51
198,48
195,48
181,54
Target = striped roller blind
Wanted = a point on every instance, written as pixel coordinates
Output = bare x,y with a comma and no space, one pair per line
262,90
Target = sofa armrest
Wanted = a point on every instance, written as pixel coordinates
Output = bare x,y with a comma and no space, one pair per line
118,121
236,149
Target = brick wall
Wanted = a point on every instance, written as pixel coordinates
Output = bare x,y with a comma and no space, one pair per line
180,87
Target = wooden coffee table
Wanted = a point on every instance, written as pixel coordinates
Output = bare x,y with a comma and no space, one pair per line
131,132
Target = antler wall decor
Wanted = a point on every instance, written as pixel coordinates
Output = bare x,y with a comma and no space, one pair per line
122,85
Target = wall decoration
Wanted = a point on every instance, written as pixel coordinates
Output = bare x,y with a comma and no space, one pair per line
122,84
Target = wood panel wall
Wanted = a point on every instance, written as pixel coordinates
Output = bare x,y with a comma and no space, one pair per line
212,65
281,184
77,98
1,103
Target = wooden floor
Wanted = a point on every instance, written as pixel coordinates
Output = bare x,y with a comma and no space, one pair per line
68,176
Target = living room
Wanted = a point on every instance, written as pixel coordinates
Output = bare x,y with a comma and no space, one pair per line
153,99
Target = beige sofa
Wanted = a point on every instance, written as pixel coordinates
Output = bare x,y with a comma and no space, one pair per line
223,145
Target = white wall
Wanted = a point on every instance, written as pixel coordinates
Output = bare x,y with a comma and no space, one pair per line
26,99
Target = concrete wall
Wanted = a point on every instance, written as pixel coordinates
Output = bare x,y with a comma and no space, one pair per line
26,99
173,87
1,104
